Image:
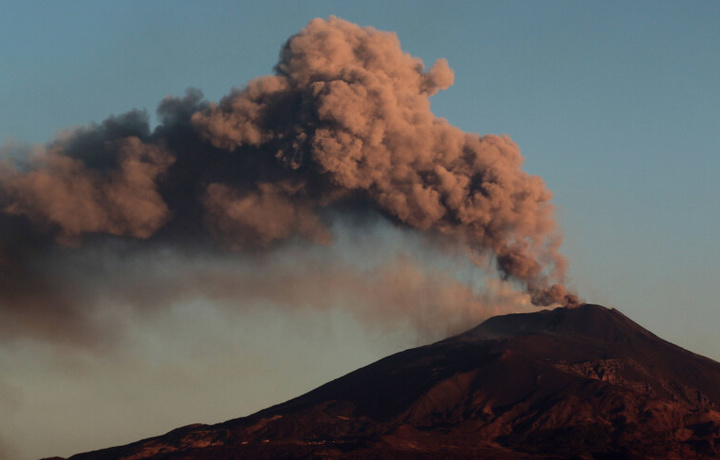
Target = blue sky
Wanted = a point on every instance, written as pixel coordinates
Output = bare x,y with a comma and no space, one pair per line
615,105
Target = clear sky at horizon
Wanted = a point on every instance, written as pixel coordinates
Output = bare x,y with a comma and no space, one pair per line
615,105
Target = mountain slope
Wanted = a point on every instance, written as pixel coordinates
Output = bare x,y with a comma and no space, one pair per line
585,382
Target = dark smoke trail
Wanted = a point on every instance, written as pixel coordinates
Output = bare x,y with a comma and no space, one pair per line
344,126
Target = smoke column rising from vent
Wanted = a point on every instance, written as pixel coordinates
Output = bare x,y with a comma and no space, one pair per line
343,127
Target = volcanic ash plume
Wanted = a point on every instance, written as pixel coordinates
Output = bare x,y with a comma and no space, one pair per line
343,127
347,117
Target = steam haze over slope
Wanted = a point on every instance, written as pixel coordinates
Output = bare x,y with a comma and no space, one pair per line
614,112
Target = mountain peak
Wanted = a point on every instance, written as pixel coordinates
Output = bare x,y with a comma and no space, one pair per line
586,321
582,382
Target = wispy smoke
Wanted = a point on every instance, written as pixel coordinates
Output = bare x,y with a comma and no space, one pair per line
343,127
10,402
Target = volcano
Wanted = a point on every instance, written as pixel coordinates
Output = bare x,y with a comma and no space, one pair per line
583,382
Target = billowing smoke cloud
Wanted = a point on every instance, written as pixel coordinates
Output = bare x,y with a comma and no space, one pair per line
343,127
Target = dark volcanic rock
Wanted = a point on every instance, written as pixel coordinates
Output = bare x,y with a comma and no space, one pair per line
585,382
